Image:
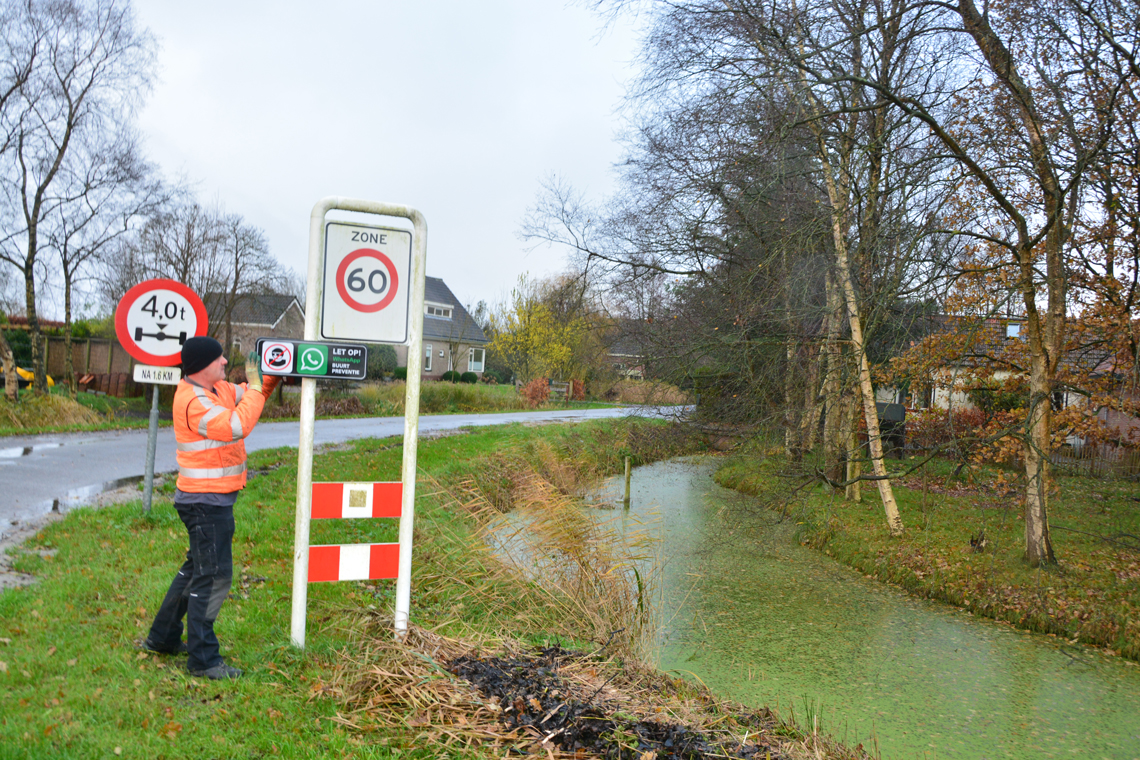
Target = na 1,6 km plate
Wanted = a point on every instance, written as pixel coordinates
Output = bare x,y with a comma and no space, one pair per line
155,318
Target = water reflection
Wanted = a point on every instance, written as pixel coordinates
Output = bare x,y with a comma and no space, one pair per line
762,620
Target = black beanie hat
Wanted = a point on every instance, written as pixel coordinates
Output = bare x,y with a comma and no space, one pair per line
198,353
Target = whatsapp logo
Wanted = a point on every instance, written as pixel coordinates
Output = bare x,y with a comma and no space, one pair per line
312,360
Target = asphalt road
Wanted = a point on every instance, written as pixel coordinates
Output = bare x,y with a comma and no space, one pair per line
39,474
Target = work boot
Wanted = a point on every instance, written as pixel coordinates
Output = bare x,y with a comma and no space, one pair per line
219,672
149,646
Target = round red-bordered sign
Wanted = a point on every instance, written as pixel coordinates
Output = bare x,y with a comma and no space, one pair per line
138,320
341,283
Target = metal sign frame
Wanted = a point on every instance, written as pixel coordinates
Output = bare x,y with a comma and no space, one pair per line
315,289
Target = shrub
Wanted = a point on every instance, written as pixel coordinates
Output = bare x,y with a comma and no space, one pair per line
400,373
929,428
451,376
20,341
381,360
326,406
536,392
468,377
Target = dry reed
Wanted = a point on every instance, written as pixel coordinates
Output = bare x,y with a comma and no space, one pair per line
36,411
405,689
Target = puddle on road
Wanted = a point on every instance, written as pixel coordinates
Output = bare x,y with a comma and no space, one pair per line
78,497
23,451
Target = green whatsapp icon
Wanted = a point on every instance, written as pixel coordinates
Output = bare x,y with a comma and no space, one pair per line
312,360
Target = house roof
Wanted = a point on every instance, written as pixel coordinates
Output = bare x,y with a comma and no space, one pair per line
987,340
460,328
266,309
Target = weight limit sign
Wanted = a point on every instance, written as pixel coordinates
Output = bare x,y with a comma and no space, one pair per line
366,283
155,318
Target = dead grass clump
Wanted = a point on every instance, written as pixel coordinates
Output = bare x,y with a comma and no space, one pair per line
36,411
651,392
326,406
592,579
547,702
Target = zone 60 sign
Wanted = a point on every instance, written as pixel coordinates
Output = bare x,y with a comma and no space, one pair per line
367,272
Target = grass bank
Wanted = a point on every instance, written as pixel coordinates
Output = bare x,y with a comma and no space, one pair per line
73,683
57,413
1093,596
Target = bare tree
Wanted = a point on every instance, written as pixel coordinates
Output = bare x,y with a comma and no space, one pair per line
86,66
103,190
250,270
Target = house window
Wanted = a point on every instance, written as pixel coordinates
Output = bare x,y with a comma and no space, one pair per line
438,311
1013,330
427,357
475,359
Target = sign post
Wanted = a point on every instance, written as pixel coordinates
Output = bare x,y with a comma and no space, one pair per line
364,284
152,321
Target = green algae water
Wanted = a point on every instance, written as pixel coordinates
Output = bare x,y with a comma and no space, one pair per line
764,621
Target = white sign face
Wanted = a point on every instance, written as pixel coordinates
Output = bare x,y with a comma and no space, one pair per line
367,283
144,373
154,318
277,357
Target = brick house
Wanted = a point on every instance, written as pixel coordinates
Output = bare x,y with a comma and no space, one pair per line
452,339
256,316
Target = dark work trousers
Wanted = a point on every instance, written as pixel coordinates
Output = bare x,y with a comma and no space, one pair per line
202,584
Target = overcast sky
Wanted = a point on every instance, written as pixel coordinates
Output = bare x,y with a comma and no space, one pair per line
457,108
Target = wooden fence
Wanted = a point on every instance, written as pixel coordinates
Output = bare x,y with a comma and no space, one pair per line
99,364
1102,460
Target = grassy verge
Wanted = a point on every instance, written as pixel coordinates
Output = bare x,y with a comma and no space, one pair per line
73,683
1092,597
57,414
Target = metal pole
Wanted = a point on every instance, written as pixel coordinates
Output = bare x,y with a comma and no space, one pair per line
314,288
411,424
151,443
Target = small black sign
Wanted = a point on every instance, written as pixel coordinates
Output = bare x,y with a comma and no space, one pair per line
285,357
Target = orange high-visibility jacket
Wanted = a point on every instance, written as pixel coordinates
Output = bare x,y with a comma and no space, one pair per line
210,428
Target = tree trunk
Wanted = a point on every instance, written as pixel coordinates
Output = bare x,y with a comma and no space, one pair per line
854,490
833,438
39,361
1038,545
11,380
68,361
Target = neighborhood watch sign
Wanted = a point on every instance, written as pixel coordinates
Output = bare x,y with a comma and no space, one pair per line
297,358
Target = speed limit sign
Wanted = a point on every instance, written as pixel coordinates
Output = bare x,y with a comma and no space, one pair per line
367,274
155,318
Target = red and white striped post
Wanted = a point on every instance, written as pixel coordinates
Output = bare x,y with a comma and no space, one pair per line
355,562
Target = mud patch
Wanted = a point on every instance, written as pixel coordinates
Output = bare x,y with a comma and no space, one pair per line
533,696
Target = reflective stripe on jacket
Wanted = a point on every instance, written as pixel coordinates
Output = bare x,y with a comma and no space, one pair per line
209,428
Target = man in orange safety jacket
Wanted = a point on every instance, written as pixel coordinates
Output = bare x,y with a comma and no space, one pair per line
212,417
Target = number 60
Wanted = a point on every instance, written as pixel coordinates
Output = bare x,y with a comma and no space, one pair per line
357,284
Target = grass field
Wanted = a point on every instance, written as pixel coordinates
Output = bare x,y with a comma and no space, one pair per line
1093,595
73,683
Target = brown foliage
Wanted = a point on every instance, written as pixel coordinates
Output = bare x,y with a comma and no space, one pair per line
536,392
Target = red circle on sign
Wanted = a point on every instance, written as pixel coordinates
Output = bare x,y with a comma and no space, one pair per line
126,340
393,279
